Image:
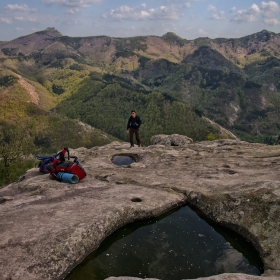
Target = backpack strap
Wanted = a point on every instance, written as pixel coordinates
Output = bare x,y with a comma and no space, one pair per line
62,154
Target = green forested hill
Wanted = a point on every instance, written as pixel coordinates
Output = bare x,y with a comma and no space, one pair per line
169,80
107,107
47,130
230,99
266,72
244,100
61,91
26,128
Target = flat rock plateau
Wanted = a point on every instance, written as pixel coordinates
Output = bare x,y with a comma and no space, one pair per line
48,227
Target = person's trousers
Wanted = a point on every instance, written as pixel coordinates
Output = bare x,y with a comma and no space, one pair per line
131,132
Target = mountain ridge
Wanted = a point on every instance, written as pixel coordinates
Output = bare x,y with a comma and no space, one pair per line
234,82
51,35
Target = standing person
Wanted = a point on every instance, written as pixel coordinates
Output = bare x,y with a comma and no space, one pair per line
133,125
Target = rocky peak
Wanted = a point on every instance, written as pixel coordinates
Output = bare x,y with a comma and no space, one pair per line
47,227
171,37
50,31
262,36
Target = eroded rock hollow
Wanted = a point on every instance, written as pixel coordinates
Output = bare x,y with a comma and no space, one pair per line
48,227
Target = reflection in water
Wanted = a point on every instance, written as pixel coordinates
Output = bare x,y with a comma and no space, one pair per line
123,160
174,246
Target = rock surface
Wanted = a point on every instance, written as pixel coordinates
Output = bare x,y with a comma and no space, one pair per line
48,227
237,276
170,140
224,276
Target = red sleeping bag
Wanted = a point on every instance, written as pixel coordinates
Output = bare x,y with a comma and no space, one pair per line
68,167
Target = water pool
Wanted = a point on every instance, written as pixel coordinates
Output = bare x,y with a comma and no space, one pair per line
177,245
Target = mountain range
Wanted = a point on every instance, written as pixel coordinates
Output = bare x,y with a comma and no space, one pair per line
176,85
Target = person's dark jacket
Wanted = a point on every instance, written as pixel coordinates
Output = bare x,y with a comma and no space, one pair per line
134,123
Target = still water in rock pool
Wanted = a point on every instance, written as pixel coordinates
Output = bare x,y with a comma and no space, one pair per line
122,160
177,245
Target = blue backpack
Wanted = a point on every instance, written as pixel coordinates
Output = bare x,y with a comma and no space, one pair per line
47,160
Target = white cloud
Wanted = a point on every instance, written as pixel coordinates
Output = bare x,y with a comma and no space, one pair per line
248,15
219,16
68,22
186,3
19,7
21,18
269,9
73,11
232,9
202,32
141,13
72,3
272,21
216,14
5,20
212,8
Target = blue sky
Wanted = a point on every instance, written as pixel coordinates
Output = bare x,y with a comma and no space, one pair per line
189,19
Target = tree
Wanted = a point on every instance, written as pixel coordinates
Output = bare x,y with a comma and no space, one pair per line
15,144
